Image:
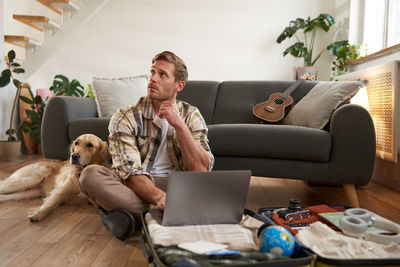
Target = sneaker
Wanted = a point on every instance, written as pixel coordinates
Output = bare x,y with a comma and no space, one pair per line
120,222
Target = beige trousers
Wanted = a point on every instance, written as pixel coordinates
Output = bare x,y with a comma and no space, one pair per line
104,188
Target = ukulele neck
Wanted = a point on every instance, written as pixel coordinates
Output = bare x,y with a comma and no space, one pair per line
293,87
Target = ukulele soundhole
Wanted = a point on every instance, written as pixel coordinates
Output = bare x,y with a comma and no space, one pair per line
278,101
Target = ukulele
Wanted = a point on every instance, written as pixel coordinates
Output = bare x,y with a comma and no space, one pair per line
276,107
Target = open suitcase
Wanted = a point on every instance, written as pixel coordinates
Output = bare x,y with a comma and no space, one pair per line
152,253
319,261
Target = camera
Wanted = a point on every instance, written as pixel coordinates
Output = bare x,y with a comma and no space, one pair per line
294,212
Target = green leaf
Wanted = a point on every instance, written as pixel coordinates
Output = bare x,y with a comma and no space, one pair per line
4,80
64,80
10,130
90,92
76,88
60,85
297,50
38,100
11,55
15,64
16,83
26,99
25,126
335,46
19,70
323,21
30,113
6,72
289,31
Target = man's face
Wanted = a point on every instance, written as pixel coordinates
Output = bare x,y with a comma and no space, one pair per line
162,85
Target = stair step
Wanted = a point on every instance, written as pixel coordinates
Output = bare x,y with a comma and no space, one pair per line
53,4
21,41
37,22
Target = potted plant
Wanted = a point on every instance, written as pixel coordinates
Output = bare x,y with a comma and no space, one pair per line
304,47
343,53
9,149
34,116
63,87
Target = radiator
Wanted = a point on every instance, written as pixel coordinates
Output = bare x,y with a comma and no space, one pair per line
382,89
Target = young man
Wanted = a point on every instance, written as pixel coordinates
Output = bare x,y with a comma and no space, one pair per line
148,140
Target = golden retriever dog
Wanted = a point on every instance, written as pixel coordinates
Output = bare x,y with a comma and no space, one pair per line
55,181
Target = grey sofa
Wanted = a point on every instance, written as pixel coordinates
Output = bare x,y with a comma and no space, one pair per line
343,152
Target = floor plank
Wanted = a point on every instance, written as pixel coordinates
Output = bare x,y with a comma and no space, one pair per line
74,249
73,234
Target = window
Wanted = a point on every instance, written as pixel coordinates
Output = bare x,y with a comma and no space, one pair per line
394,23
375,23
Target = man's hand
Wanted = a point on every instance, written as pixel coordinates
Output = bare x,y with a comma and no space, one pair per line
169,110
161,202
146,189
194,157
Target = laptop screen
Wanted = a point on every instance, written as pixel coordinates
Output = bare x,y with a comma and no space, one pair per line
196,198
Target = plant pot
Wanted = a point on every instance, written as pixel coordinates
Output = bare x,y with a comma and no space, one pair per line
9,150
302,71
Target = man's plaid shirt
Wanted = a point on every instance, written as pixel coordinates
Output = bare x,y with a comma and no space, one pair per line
135,135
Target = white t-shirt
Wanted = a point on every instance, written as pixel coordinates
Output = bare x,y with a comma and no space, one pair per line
162,164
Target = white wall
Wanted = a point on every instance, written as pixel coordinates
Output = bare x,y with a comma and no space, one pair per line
1,32
218,40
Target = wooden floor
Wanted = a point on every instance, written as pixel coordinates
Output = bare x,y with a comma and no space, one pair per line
72,235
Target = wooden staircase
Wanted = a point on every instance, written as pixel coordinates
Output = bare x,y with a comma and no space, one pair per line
39,23
21,41
61,4
71,13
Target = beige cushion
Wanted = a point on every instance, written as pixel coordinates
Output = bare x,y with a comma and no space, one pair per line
112,94
315,109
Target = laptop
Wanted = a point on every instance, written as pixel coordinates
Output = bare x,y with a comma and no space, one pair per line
197,198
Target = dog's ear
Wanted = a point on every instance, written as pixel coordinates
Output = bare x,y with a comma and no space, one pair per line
104,151
71,145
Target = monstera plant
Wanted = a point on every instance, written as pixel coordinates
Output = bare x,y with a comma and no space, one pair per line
63,87
305,32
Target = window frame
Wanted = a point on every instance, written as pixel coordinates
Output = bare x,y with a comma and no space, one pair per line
356,27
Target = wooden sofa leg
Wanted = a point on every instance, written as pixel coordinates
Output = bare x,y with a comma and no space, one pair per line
351,194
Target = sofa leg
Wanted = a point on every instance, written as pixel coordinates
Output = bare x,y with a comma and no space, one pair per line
351,194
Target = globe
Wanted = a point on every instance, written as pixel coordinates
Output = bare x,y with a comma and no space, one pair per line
277,240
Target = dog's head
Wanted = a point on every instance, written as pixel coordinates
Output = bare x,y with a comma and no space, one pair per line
89,149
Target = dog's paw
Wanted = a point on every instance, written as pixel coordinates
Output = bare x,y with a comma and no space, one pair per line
34,215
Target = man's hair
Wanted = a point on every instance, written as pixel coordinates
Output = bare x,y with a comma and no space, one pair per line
181,73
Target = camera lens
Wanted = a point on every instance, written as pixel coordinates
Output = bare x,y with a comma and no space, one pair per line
294,204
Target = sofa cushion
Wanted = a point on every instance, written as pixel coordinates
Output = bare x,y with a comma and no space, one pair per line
316,108
270,141
96,126
112,94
